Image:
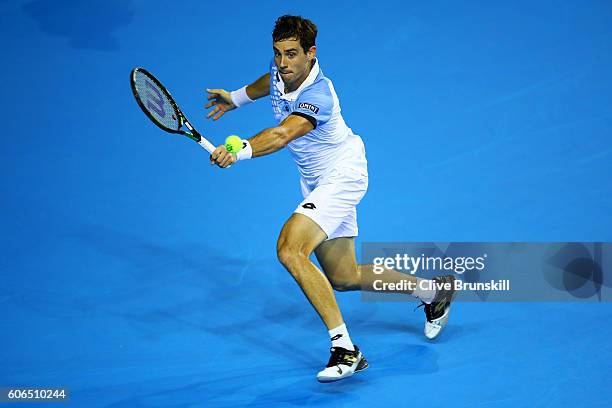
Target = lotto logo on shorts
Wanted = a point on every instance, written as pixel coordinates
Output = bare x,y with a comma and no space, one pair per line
309,206
308,106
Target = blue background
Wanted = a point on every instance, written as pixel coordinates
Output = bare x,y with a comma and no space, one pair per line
137,275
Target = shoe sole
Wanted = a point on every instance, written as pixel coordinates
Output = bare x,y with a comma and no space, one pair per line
444,323
451,297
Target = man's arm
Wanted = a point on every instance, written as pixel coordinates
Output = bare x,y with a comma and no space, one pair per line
273,139
268,140
259,88
222,99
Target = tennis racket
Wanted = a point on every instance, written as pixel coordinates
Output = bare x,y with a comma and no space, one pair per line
157,103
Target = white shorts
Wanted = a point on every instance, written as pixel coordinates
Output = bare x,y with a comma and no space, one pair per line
332,203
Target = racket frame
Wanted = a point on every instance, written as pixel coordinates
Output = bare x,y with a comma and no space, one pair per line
191,132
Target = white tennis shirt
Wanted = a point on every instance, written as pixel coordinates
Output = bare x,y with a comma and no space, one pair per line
331,143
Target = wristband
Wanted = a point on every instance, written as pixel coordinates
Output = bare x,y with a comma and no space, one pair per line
246,152
240,97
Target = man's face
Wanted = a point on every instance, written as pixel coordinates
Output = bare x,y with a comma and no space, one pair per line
292,62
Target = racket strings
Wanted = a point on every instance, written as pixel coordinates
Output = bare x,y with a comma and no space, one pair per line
156,101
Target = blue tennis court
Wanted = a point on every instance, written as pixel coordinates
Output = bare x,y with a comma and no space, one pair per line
135,274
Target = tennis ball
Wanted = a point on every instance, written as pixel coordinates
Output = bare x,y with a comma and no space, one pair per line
233,144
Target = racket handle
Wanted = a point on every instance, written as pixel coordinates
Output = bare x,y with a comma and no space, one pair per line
206,145
195,135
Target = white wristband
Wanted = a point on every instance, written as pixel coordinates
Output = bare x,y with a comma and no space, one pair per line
240,97
246,152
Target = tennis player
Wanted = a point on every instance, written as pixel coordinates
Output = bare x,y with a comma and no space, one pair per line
334,178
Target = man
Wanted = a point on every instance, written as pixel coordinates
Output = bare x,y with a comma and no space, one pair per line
334,178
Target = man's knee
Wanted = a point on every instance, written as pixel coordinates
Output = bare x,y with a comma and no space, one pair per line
290,256
297,240
284,254
345,282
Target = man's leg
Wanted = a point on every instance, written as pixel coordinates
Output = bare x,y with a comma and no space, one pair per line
298,238
337,258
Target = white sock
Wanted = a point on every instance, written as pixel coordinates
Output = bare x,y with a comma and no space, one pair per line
340,337
426,295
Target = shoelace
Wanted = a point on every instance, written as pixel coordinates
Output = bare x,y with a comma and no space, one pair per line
337,356
427,310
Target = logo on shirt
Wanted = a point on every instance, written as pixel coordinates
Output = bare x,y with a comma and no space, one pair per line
309,106
309,206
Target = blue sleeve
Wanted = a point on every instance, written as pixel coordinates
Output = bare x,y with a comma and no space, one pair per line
315,104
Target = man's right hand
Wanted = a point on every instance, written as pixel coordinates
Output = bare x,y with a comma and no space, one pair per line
222,102
222,158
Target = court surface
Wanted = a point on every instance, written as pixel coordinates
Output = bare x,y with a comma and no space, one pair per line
136,275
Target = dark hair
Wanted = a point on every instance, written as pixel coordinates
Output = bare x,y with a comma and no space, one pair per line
287,27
